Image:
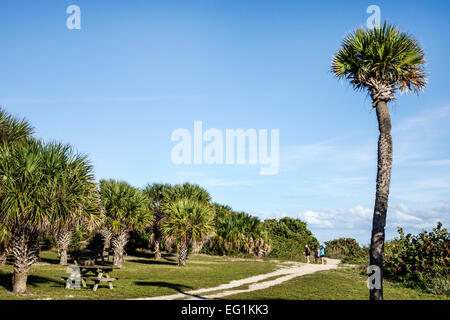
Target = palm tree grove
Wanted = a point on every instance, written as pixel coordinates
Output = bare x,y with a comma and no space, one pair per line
129,183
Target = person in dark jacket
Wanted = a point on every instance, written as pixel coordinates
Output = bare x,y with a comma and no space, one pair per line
307,253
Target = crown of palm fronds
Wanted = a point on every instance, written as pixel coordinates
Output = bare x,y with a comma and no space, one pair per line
381,57
188,218
189,191
43,186
125,207
13,130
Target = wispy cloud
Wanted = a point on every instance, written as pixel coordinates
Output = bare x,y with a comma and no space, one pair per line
358,219
425,119
269,214
432,163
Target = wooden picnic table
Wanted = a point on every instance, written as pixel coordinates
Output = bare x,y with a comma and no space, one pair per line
81,256
95,273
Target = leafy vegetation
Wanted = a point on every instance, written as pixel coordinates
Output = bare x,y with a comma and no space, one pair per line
126,208
347,250
420,261
289,237
187,220
237,233
34,201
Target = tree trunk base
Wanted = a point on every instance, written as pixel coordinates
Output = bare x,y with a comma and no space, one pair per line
19,281
63,258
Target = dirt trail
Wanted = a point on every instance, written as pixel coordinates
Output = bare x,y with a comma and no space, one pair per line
254,282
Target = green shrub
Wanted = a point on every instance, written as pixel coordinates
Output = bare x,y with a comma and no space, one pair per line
421,260
288,237
237,233
347,250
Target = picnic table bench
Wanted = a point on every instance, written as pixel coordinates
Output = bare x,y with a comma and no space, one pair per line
80,257
96,273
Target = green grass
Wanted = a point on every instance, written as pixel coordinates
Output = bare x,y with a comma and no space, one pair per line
140,277
338,284
144,277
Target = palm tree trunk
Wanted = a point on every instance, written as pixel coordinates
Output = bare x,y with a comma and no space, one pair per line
119,242
107,236
169,244
382,194
63,239
158,235
25,248
4,251
183,252
157,246
197,245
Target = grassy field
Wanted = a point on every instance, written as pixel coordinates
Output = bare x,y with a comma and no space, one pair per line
338,284
144,277
140,277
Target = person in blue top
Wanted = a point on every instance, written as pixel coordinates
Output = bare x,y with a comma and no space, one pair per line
322,253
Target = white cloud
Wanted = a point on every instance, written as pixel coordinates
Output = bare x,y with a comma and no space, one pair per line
424,119
359,218
432,163
342,218
263,215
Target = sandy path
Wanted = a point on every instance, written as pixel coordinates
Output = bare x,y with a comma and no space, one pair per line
254,282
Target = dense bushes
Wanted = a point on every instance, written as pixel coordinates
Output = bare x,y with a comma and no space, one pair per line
288,237
236,233
420,261
347,250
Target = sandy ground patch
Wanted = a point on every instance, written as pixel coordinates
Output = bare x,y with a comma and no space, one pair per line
288,271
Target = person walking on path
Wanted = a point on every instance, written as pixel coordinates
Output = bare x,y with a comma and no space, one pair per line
317,255
307,253
322,254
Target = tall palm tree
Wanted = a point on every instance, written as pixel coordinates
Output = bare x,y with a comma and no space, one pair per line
13,133
157,193
187,220
126,208
30,200
382,60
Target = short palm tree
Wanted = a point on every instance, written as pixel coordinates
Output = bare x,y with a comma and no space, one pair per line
382,60
90,220
157,194
126,209
13,133
187,220
75,190
30,201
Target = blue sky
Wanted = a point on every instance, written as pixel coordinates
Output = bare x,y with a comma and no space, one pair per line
138,70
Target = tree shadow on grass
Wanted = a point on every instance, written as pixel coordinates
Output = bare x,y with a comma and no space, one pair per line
32,281
175,286
49,260
140,254
156,262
